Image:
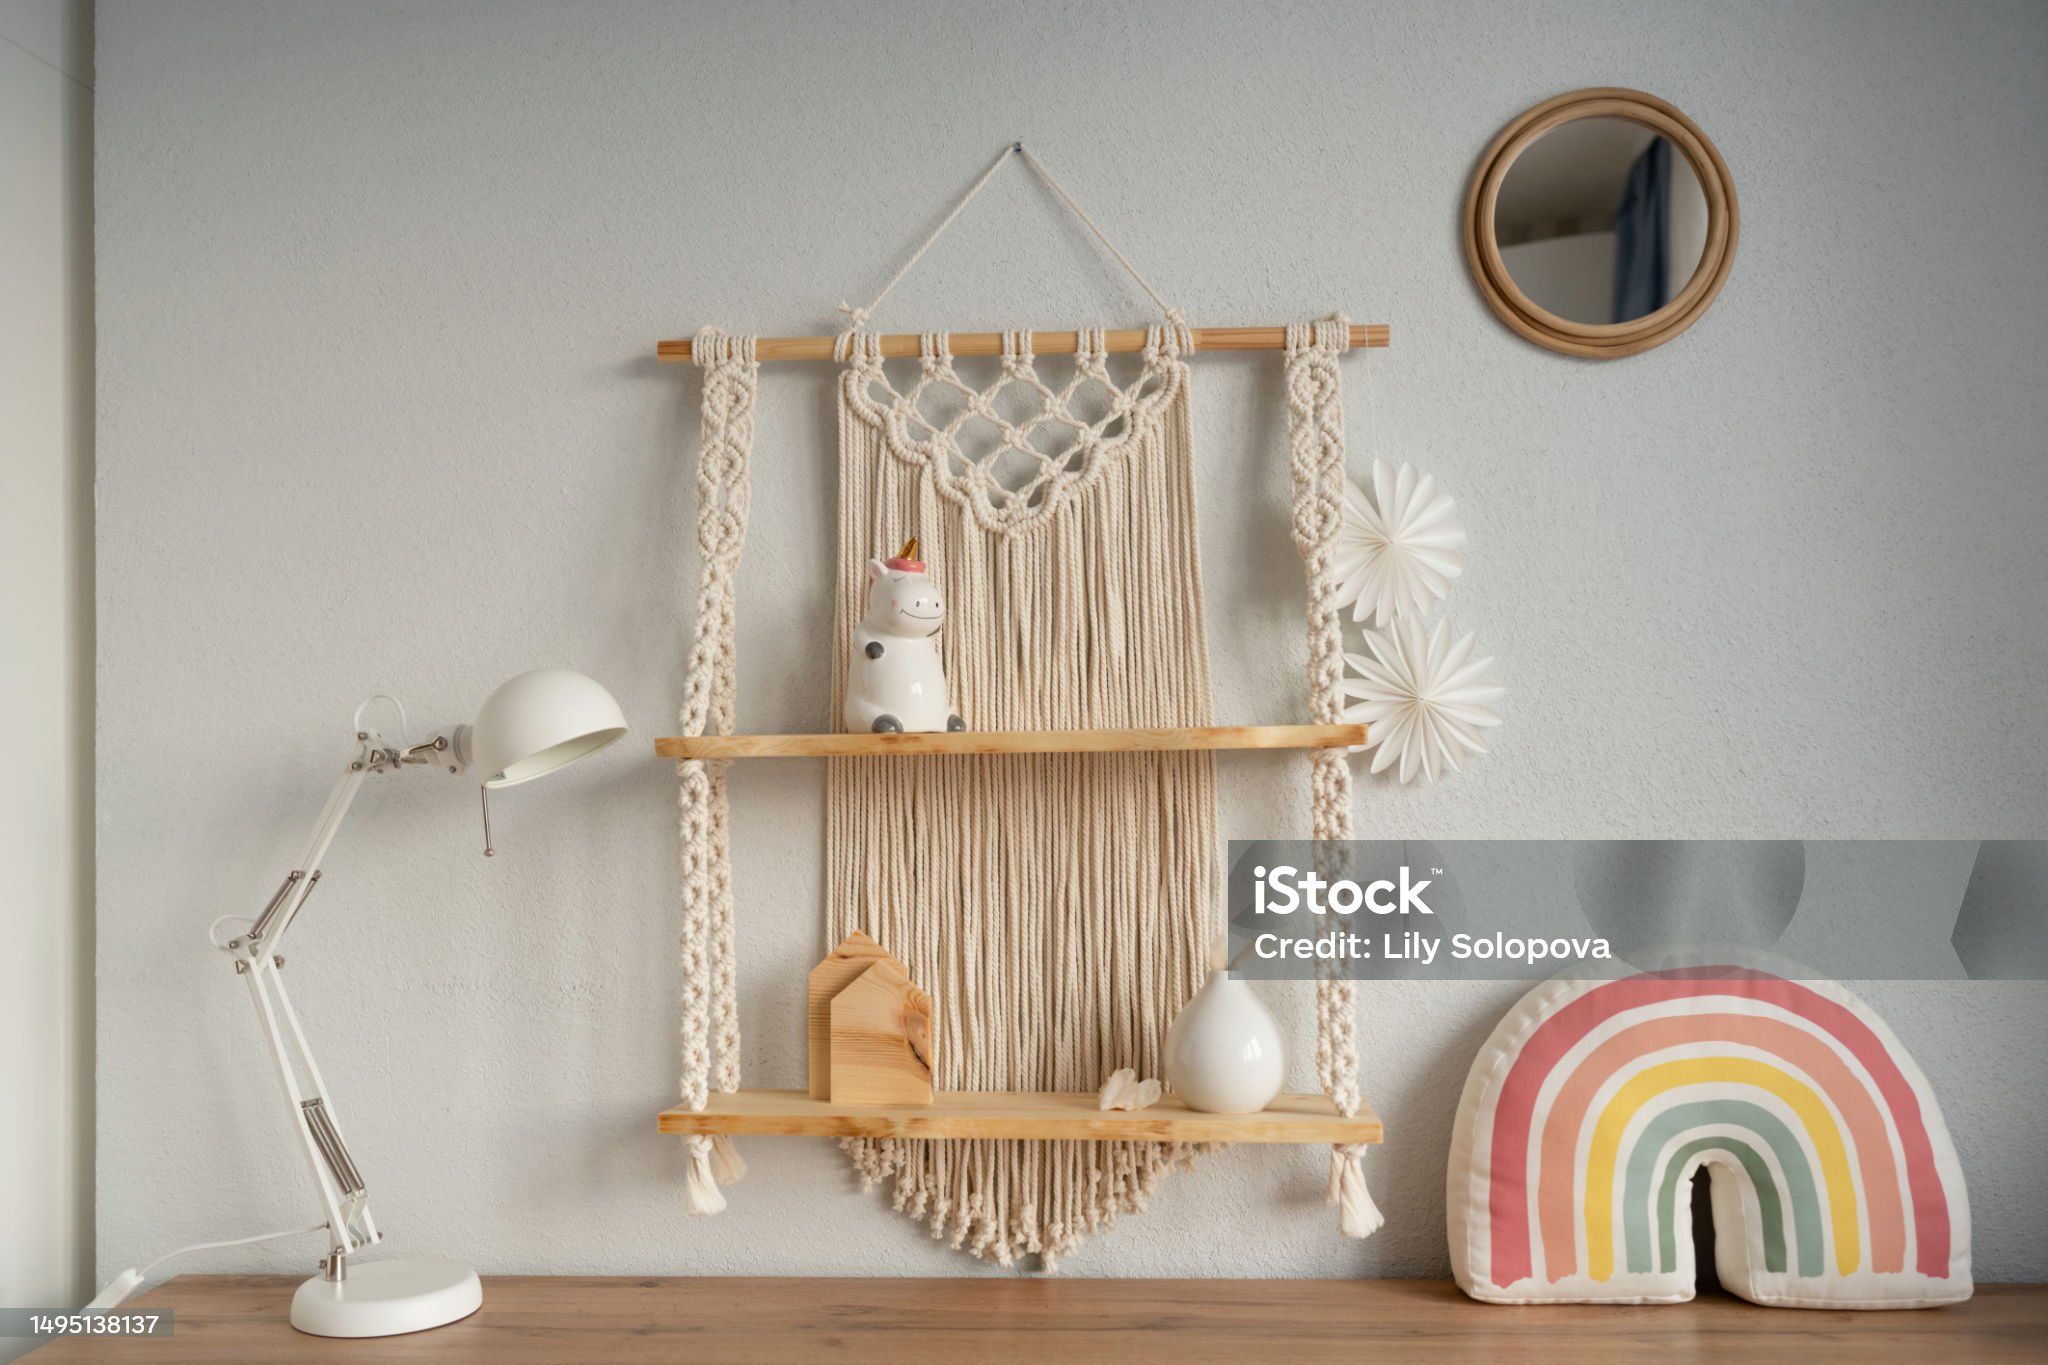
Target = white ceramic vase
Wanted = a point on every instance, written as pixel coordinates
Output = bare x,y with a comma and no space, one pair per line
1223,1053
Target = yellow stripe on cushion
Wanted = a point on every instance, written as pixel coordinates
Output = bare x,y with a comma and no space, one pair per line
1653,1082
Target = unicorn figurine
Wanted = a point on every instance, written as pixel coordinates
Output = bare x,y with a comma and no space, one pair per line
894,682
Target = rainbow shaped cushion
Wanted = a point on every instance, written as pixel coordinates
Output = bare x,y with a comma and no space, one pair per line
1833,1181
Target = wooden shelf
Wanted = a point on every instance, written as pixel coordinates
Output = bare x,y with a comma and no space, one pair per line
1120,339
1012,742
979,1114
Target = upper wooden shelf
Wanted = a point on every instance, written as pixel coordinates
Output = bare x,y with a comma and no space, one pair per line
1116,340
1012,742
1049,1115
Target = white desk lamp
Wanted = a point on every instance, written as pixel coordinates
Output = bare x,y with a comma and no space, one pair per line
534,724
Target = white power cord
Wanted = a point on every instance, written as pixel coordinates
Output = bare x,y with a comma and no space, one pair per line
129,1280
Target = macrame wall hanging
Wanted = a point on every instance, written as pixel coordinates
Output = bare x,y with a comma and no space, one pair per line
1058,907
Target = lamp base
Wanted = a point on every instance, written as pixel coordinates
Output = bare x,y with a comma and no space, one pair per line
386,1298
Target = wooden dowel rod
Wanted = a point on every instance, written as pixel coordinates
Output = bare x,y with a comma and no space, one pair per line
1042,343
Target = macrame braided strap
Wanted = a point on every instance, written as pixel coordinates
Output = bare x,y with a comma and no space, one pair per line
710,1020
1315,441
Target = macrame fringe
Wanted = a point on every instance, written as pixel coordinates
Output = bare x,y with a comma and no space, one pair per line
1100,1181
1357,1215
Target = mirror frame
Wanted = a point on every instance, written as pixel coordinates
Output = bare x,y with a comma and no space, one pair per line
1601,341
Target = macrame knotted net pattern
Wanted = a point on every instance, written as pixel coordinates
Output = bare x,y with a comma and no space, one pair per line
1056,907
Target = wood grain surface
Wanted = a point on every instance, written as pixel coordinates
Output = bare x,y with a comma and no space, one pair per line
987,1114
1115,340
882,1039
1011,742
834,973
227,1319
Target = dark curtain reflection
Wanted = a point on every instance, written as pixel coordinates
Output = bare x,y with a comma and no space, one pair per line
1642,236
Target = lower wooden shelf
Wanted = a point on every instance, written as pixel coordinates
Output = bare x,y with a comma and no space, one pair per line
1012,742
1041,1114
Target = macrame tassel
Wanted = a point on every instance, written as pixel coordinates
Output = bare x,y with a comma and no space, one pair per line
700,1189
1357,1215
728,1167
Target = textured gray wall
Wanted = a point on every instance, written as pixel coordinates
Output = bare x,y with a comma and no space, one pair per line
378,288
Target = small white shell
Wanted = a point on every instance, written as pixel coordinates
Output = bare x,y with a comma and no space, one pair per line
1123,1090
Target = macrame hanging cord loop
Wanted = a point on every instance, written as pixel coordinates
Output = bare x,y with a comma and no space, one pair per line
857,318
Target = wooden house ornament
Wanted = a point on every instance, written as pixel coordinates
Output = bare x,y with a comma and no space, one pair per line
870,1028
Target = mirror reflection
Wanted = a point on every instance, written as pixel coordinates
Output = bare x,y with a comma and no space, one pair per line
1601,220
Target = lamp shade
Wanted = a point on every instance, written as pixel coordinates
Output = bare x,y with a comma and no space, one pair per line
540,721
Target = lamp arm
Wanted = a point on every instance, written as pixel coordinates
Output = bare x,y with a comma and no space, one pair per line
259,962
449,749
266,935
343,1196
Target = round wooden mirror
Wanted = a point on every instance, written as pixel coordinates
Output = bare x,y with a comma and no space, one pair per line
1601,223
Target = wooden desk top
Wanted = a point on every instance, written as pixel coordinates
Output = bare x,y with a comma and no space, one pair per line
222,1319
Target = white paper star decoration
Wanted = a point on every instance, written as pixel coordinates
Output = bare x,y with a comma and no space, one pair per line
1397,549
1422,697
